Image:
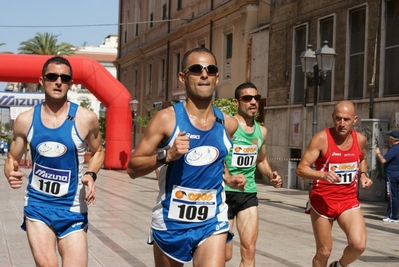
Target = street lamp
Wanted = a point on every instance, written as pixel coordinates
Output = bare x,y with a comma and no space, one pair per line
133,108
315,67
102,111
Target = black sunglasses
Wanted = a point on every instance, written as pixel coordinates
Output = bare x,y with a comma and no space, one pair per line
52,77
198,69
248,98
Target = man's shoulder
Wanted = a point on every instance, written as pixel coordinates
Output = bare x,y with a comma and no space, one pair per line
361,138
86,114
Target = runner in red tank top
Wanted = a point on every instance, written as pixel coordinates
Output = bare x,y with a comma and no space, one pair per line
339,155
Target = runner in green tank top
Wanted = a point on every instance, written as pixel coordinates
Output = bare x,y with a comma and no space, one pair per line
247,154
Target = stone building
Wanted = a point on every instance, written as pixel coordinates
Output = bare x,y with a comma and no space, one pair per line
261,41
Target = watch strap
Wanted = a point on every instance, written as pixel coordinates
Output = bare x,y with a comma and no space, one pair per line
92,174
161,156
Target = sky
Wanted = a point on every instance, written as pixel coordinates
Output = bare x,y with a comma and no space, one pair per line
74,21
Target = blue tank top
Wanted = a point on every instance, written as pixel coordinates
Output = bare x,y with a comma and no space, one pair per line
192,187
57,156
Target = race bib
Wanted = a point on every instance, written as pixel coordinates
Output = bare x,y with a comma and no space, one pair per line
244,155
346,171
192,205
50,181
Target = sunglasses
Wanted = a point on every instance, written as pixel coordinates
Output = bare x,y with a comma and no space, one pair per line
248,98
198,69
52,77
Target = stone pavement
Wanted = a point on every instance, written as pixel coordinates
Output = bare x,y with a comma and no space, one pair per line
119,224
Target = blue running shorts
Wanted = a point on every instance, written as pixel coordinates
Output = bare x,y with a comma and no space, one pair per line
63,222
181,244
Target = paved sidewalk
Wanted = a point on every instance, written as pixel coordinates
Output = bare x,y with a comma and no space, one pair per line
119,224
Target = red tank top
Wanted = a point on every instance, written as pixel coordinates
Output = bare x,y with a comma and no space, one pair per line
344,163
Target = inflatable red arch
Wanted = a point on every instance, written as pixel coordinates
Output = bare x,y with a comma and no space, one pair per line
90,73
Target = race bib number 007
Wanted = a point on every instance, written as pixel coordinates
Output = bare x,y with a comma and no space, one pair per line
244,156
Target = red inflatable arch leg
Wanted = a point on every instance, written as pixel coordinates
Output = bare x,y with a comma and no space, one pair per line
90,73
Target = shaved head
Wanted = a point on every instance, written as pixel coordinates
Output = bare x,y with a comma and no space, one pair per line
344,106
344,117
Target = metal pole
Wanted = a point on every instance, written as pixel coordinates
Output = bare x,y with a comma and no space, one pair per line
315,96
134,131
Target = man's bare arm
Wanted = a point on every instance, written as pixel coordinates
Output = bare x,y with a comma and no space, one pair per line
263,164
365,181
17,149
312,153
144,160
94,141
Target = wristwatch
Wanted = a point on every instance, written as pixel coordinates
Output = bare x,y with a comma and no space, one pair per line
92,174
366,173
161,156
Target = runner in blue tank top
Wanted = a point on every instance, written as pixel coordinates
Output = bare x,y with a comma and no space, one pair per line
58,131
191,139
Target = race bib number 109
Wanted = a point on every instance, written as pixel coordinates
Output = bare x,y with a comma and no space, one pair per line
192,205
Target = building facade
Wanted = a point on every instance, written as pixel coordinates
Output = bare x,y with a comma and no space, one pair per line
105,54
261,41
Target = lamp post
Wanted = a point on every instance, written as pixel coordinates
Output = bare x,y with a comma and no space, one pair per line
133,108
102,111
315,67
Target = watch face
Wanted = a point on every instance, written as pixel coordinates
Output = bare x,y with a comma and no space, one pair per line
161,155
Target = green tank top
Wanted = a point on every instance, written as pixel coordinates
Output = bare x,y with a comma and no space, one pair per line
243,155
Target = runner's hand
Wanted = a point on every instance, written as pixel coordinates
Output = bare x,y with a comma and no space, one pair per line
276,180
16,177
90,197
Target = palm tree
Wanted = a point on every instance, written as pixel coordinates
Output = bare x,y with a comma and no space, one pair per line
45,44
4,52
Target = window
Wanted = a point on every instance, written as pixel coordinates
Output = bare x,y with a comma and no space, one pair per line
229,46
151,20
391,73
151,13
179,5
135,81
176,69
164,10
177,63
135,77
161,84
136,19
299,79
357,33
228,55
125,21
326,34
149,81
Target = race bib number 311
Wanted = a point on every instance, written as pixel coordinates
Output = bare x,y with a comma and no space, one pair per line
346,171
